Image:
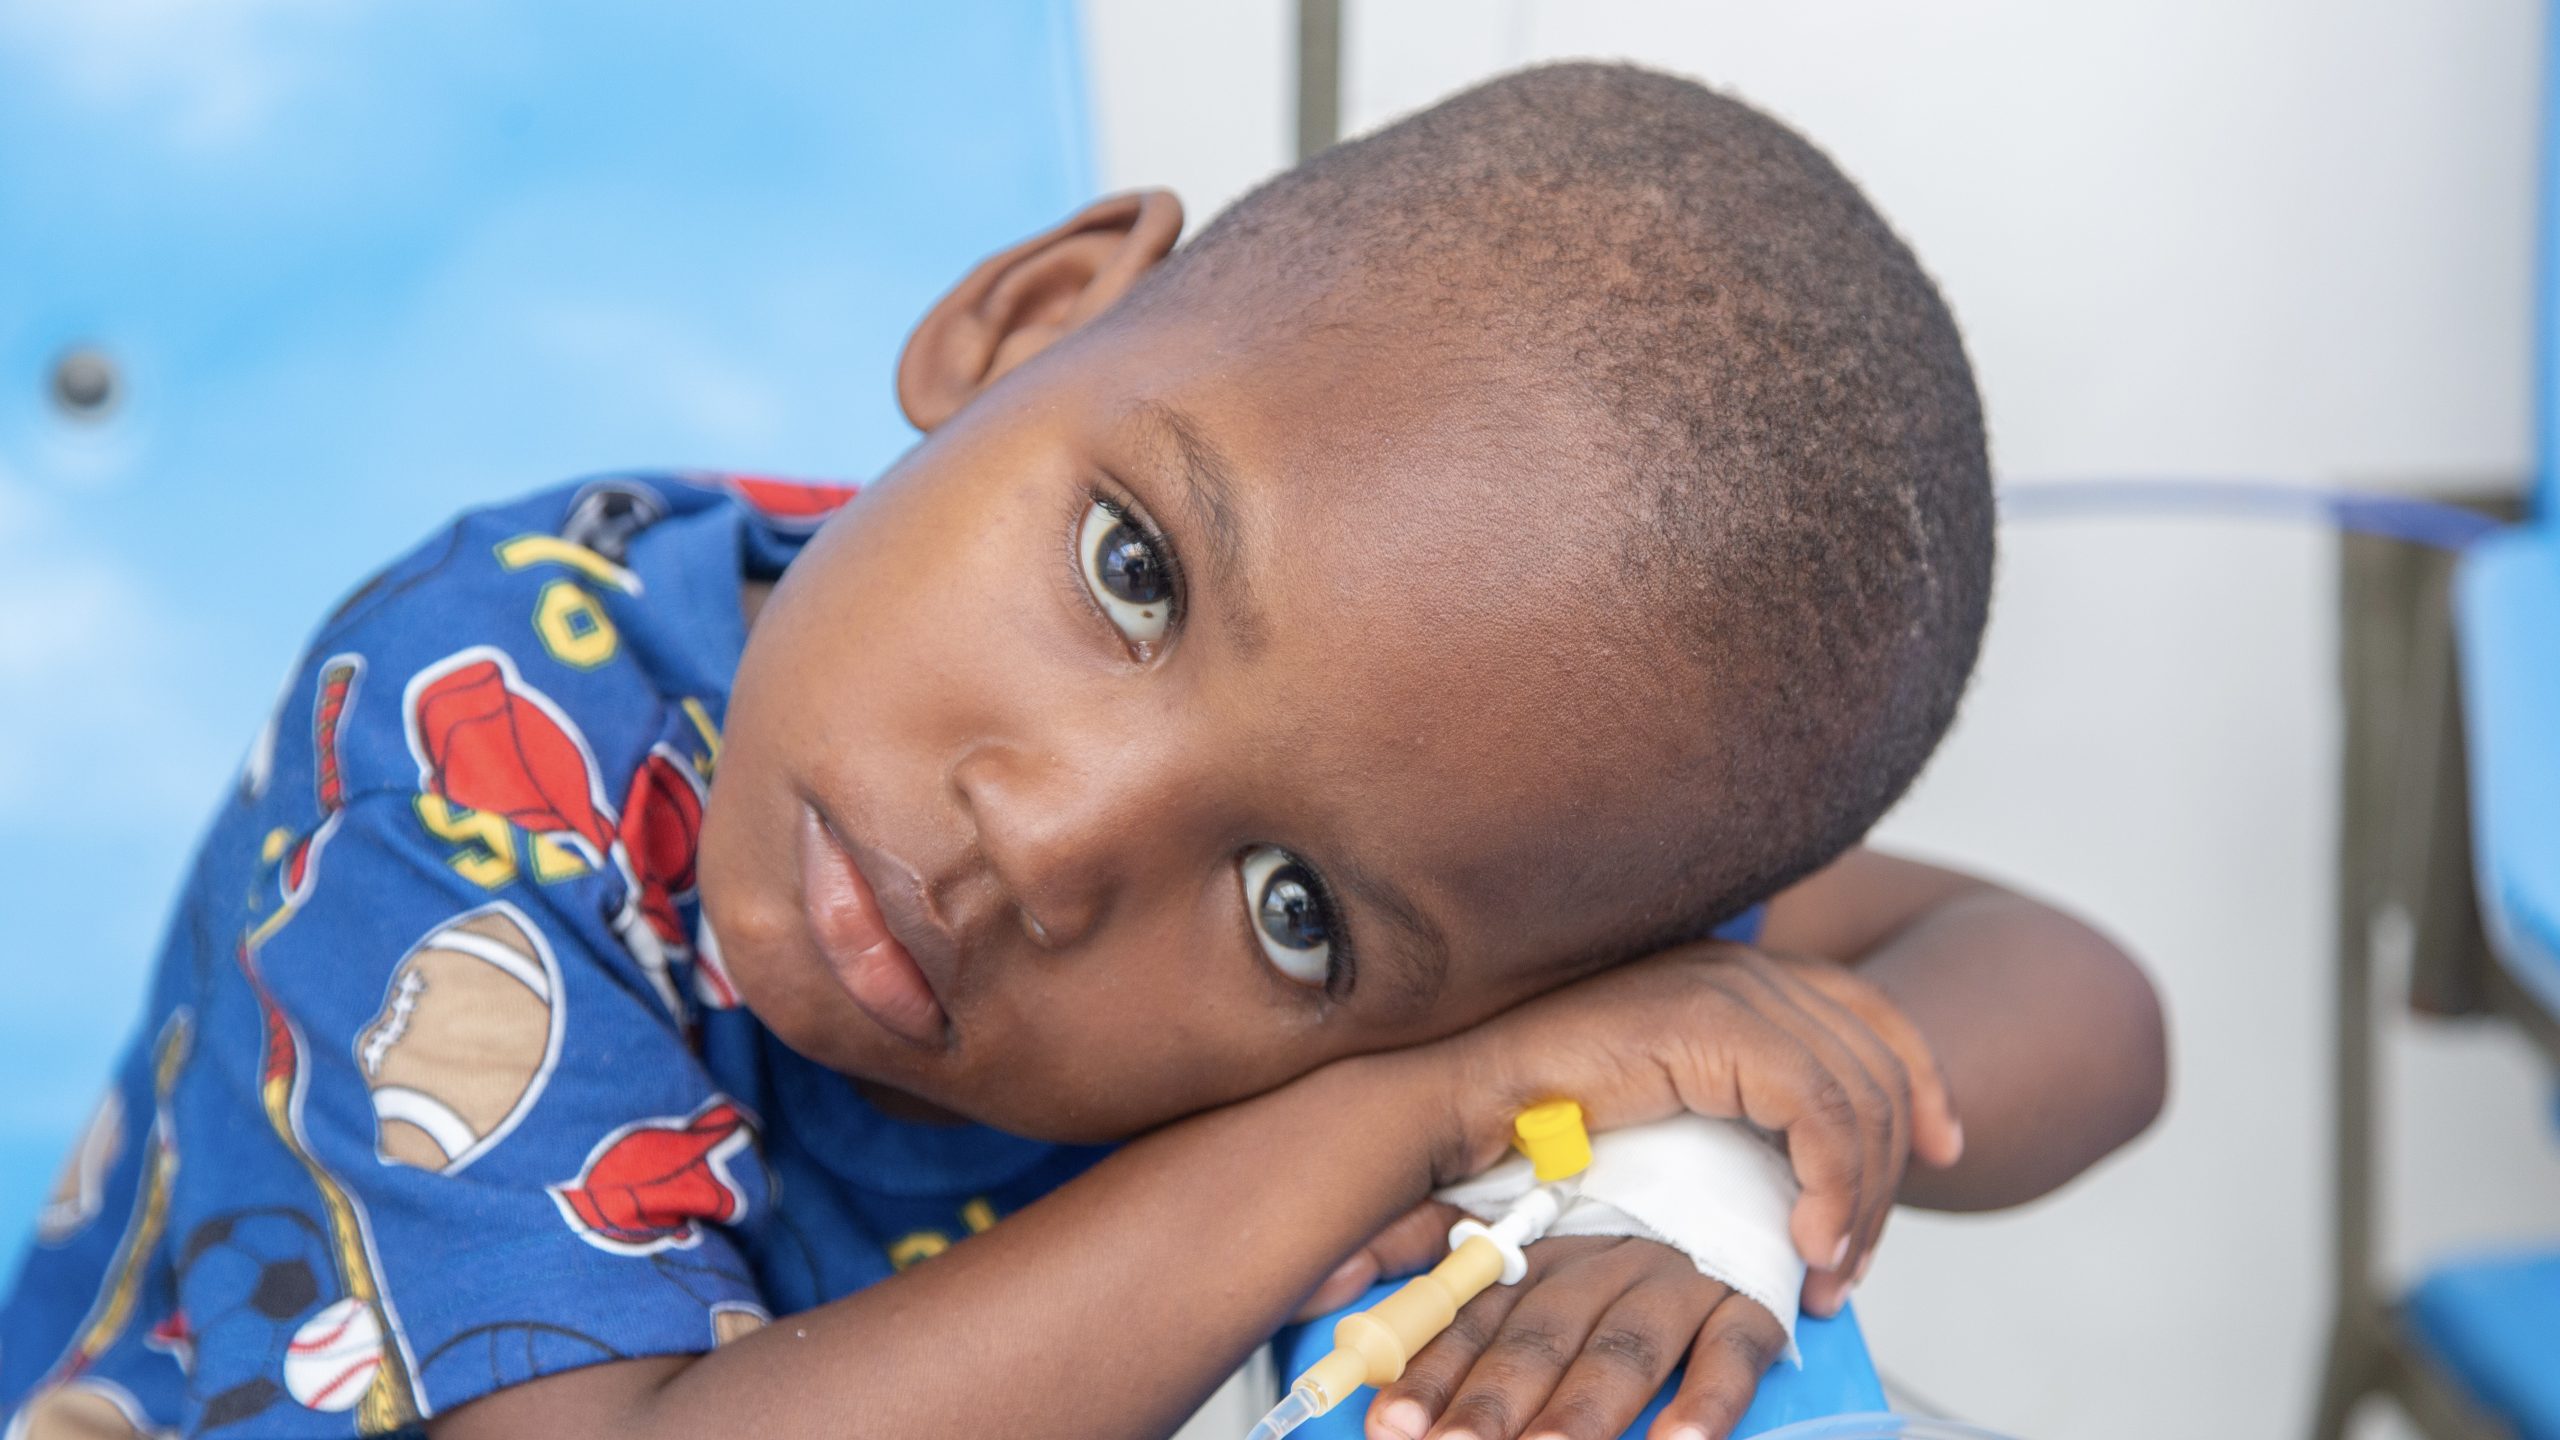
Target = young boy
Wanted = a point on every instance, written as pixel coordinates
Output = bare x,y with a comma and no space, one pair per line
1309,695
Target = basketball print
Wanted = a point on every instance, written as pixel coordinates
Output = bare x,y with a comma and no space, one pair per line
465,1040
334,1356
81,1189
510,1352
85,1409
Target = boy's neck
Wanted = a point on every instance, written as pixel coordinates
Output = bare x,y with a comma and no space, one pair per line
899,1105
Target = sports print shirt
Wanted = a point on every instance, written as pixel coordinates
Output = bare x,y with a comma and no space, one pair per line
440,1086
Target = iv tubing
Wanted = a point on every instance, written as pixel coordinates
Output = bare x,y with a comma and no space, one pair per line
1372,1346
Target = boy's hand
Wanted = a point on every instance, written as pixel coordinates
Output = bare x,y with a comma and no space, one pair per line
1579,1347
1418,1240
1801,1048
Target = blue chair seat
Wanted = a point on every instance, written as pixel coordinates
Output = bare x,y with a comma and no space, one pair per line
2507,598
2494,1325
1838,1378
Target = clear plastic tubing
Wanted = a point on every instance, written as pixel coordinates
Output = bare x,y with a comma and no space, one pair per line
1295,1409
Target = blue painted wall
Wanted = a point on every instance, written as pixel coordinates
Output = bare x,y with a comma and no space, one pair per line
363,263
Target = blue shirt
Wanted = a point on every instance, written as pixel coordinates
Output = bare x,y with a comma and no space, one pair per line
440,1086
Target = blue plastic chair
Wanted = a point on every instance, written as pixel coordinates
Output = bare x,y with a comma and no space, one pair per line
2493,1322
356,267
1837,1378
2473,1350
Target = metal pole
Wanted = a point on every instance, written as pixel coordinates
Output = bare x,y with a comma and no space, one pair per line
1319,75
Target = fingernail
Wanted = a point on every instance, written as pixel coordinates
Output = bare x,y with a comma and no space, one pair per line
1865,1264
1404,1419
1839,1255
1958,1147
1688,1432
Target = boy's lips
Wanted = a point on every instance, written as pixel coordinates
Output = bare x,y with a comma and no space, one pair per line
854,935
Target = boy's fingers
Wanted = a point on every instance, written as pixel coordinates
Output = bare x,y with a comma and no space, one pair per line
1520,1365
1733,1350
1786,1088
1349,1281
1825,1291
1406,1406
1413,1242
1866,1067
1937,1137
1417,1240
1633,1347
1825,1149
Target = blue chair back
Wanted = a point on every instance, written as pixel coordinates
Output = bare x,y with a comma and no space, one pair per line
2545,497
351,268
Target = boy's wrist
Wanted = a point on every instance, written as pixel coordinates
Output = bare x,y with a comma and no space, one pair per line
1410,1099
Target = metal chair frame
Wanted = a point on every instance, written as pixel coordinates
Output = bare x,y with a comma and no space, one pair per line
2407,906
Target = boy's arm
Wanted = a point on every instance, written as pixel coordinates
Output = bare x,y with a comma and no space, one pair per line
2049,1036
1112,1306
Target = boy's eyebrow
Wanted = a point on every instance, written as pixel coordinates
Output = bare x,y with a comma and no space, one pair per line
1423,960
1209,494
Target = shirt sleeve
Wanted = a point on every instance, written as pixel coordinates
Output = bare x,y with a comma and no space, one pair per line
465,1081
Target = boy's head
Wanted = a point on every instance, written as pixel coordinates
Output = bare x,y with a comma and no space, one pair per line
1504,545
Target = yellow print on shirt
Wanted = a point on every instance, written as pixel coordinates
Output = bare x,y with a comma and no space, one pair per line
916,1247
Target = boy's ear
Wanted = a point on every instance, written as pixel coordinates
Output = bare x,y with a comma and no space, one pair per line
1015,304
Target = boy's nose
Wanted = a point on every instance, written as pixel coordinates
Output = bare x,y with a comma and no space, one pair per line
1058,835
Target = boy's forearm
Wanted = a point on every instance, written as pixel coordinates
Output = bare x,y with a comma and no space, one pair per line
1081,1316
2049,1036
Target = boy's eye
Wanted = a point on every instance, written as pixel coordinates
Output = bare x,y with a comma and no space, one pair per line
1291,921
1126,569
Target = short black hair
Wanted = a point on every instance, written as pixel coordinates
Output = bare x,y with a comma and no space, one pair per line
1780,388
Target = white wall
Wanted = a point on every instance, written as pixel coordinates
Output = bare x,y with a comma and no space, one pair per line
2269,238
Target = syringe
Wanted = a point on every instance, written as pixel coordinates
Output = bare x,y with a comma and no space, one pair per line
1373,1346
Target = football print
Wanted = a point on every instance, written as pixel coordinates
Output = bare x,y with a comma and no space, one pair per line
465,1040
81,1189
86,1409
735,1319
246,1281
